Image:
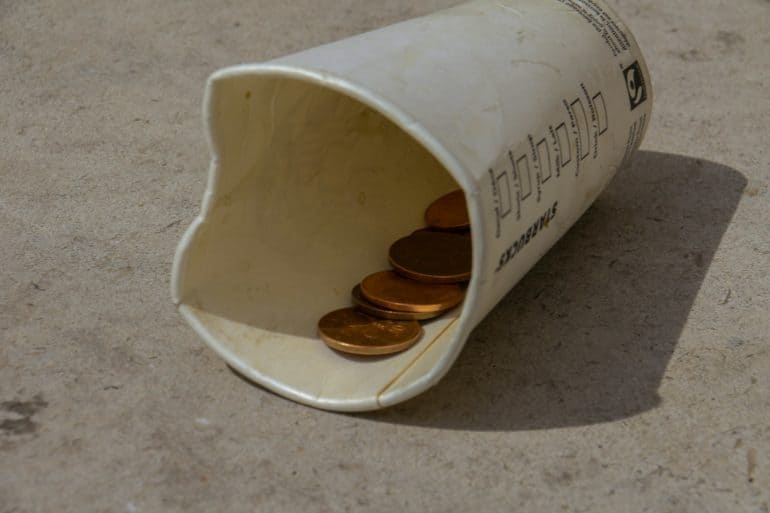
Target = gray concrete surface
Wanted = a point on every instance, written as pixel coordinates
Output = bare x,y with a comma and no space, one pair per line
628,372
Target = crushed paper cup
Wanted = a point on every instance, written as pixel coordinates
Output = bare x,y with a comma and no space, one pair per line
320,160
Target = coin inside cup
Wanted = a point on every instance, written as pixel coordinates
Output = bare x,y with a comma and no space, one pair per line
449,212
395,292
432,257
370,308
352,331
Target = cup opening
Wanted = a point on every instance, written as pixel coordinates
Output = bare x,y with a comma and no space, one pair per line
310,188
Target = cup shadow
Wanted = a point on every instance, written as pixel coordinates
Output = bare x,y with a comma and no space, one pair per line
586,336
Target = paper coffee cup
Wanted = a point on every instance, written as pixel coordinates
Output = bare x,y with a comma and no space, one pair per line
323,158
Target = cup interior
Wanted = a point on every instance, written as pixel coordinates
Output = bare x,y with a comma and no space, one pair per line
309,188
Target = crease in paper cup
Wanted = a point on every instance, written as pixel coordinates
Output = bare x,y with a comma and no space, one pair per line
320,160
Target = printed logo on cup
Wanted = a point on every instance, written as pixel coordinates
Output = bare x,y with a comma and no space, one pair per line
637,90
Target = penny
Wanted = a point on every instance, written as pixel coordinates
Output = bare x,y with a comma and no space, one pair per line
393,291
352,331
449,212
432,257
370,308
464,233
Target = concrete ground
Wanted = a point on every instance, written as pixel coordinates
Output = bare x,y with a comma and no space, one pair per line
630,370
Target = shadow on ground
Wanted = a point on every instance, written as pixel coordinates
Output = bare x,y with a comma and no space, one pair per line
586,336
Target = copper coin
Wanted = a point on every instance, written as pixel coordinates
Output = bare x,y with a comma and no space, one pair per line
393,291
352,331
432,257
370,308
449,212
464,233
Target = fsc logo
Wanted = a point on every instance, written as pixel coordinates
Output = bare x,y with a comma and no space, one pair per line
637,89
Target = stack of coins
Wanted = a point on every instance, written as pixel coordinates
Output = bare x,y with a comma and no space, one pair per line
430,269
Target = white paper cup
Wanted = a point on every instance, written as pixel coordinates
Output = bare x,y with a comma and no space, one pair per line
322,159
